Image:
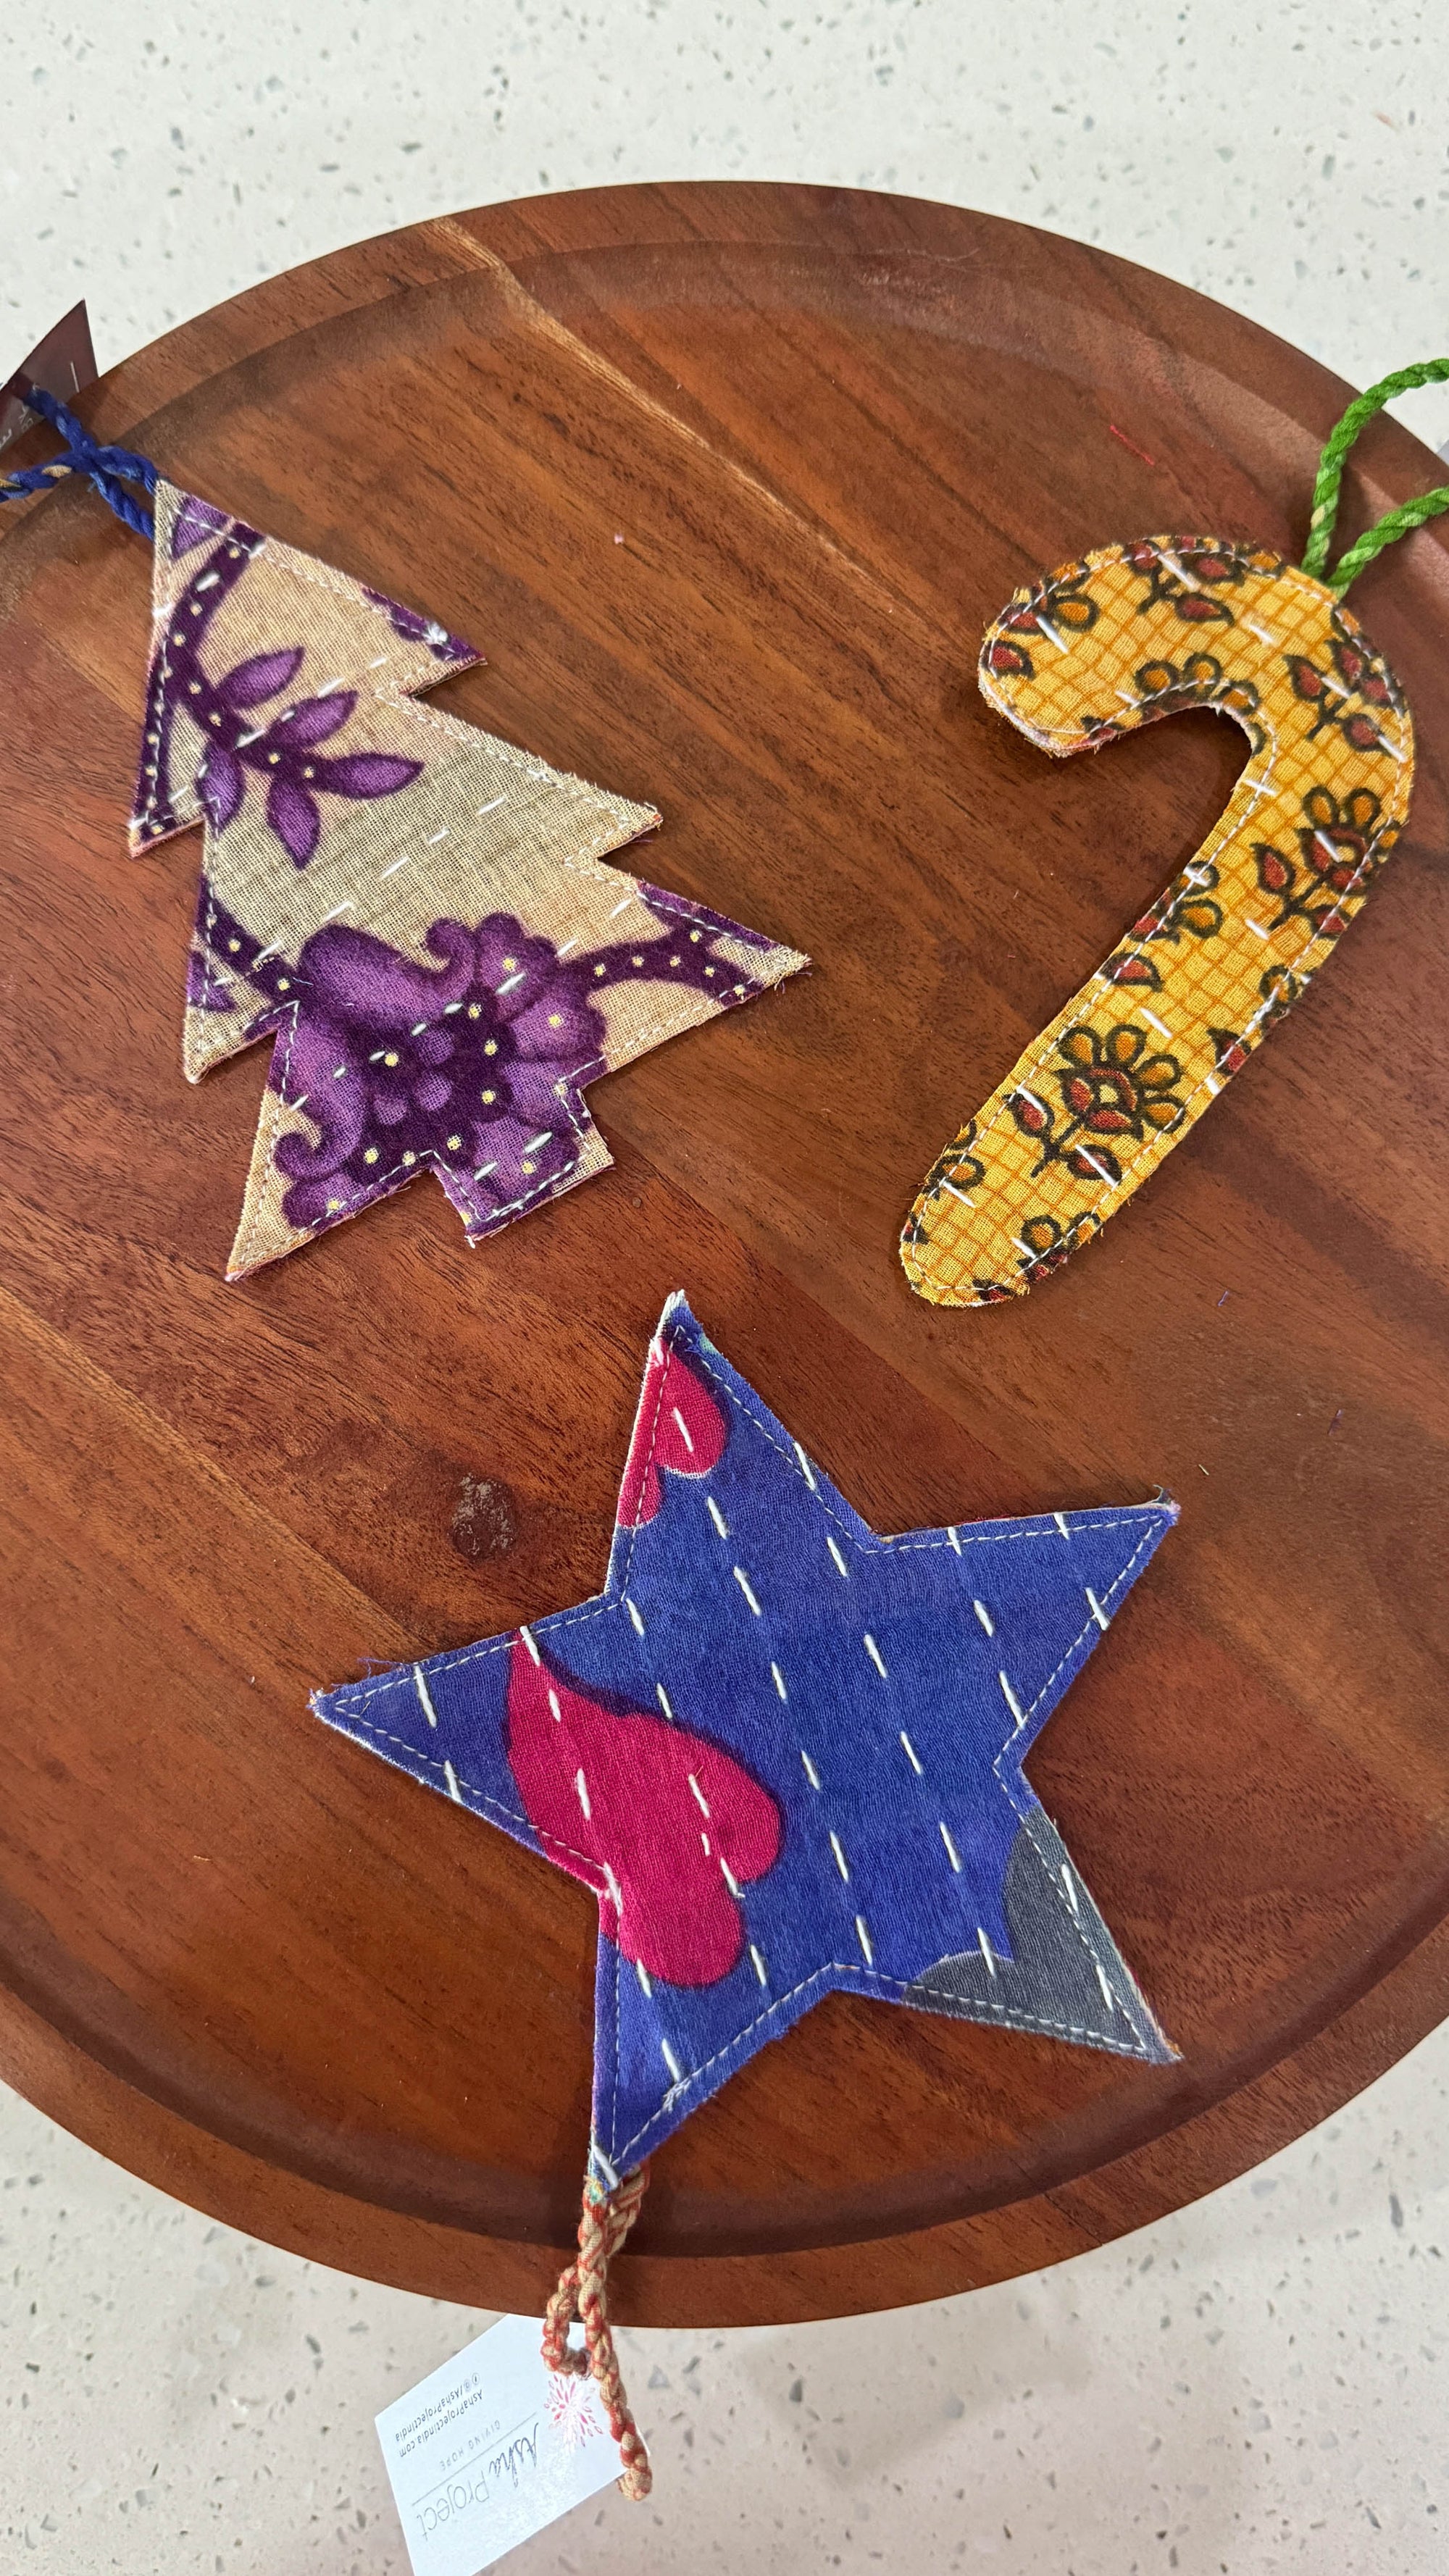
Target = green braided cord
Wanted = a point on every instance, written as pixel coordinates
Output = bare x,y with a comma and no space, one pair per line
1429,371
1398,523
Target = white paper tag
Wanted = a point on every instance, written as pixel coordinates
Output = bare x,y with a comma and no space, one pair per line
491,2447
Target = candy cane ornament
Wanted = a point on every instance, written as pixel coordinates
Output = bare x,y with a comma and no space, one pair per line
1101,648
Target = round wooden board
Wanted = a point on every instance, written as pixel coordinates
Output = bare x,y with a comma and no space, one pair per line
726,481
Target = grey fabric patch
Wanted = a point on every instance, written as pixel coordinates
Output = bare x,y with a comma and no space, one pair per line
1066,1976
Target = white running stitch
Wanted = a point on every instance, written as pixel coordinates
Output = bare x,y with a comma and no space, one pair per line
1027,1811
867,1540
575,1108
1156,1519
869,1976
482,1795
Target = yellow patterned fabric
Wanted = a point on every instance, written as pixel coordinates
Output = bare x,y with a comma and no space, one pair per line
1105,645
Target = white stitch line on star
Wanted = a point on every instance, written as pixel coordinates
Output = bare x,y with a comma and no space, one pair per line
1010,2016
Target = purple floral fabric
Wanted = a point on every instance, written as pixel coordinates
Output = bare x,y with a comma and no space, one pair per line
195,522
277,752
442,976
471,1066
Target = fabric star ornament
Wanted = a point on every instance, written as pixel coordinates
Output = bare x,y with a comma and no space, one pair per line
415,910
786,1754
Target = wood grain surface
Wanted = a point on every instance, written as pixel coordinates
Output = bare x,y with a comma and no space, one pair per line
726,481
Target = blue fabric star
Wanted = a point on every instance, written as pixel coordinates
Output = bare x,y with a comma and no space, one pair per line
786,1754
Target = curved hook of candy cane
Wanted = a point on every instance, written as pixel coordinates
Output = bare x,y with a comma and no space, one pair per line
1102,647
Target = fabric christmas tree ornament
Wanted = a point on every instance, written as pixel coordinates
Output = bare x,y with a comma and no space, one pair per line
1102,647
786,1755
416,911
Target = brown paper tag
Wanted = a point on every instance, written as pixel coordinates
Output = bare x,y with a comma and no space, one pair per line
63,364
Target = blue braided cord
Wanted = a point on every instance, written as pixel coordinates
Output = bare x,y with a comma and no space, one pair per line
103,466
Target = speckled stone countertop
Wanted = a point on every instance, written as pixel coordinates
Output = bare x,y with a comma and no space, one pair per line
1258,2383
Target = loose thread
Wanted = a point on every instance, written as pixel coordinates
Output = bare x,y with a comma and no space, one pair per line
605,2222
1328,485
108,468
